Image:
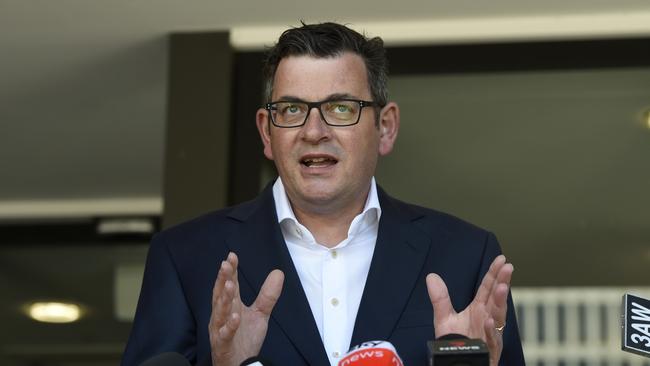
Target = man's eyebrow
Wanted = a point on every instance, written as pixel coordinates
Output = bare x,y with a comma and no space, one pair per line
292,98
340,96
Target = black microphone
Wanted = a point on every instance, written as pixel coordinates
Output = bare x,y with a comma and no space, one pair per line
458,350
636,325
167,359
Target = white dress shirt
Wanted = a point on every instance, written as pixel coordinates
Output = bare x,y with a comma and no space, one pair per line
333,278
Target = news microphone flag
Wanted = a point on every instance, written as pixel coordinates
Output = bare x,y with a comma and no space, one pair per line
456,350
372,353
636,325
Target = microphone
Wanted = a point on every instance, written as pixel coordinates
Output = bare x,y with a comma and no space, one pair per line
458,350
636,325
167,359
373,353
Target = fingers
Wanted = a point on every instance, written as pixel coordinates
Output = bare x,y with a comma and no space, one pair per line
237,331
227,270
489,327
233,260
492,295
224,323
225,291
502,286
490,279
270,292
226,333
505,273
219,284
222,304
223,330
439,297
497,305
493,340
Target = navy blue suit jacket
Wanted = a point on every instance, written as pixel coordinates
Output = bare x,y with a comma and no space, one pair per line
175,302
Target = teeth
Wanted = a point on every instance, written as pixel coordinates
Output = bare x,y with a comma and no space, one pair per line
316,160
311,161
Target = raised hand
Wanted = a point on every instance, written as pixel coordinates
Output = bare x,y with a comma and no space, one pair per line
237,331
485,316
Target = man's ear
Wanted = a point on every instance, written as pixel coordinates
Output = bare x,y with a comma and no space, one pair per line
263,127
388,128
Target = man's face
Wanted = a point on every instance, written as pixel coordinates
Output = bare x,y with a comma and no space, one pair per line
326,168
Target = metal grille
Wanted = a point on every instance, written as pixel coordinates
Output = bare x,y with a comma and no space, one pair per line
574,326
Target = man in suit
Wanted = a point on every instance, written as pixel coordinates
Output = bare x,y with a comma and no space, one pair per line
323,259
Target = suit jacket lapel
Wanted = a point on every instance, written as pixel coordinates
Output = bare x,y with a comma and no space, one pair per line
261,248
399,255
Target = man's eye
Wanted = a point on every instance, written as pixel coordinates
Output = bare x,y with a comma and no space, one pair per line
291,109
341,108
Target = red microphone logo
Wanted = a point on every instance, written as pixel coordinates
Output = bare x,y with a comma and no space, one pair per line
457,343
375,353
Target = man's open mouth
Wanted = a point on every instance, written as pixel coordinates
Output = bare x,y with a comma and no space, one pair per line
318,162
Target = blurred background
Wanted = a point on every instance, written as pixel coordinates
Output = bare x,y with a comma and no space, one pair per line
530,119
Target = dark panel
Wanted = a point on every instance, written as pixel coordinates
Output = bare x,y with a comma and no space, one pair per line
519,56
603,323
561,323
198,125
72,233
541,324
246,146
582,323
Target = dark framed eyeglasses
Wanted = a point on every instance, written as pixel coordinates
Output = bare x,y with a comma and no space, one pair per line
335,112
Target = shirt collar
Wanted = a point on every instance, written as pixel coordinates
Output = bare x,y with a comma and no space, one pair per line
285,212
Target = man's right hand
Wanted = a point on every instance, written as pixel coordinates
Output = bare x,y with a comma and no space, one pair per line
237,331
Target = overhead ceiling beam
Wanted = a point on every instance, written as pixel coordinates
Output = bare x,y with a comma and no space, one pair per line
80,208
476,30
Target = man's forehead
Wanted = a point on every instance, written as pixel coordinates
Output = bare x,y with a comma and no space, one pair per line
315,77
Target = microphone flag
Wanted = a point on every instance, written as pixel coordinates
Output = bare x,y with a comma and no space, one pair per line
636,325
372,353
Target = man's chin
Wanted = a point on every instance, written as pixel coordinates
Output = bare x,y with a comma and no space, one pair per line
319,198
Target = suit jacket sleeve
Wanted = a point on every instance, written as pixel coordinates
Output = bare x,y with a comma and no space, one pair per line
163,320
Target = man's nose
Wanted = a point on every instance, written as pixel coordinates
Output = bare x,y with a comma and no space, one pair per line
315,128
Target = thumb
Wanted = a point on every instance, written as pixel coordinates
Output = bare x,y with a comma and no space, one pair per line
270,292
439,297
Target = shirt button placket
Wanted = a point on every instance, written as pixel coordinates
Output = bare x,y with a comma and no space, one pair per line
334,313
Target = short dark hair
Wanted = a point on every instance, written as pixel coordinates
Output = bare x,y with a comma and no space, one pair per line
330,40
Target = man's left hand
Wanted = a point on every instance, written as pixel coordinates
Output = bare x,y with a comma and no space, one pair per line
485,317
